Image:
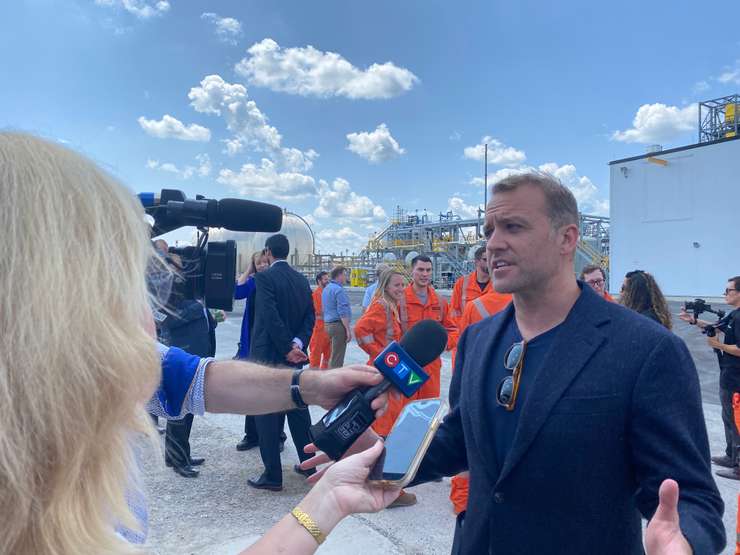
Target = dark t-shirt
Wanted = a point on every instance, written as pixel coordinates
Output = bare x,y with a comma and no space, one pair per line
482,285
729,374
504,423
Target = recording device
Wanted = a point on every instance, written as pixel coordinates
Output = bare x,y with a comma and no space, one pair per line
407,443
209,268
401,365
698,306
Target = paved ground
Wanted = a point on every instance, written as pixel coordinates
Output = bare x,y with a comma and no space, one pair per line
218,514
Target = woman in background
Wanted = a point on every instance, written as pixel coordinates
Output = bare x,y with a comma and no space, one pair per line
640,292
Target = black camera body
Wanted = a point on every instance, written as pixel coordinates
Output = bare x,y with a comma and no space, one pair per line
208,269
698,306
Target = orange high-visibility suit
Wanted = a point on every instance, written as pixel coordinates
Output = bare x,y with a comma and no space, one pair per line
480,308
608,297
466,289
375,329
319,348
412,311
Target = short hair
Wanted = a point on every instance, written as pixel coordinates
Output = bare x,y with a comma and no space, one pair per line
562,207
279,246
589,268
420,258
735,281
337,271
320,275
479,252
382,267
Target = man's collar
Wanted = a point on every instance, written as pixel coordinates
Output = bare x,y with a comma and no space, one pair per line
278,260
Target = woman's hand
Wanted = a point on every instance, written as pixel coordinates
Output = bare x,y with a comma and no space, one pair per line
344,490
363,443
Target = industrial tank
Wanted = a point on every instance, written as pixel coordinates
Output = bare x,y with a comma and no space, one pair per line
295,228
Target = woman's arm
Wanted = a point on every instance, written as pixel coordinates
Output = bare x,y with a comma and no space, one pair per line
244,289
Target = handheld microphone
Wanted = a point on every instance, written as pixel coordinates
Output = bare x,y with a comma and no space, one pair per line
401,365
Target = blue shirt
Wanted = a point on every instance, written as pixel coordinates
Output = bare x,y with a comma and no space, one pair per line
369,292
504,423
335,303
245,291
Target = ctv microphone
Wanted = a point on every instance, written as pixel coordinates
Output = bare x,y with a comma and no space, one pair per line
401,365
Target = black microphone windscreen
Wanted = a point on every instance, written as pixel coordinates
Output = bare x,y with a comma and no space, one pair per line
425,341
247,215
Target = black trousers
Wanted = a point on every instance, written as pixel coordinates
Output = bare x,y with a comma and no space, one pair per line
732,437
250,430
177,441
269,427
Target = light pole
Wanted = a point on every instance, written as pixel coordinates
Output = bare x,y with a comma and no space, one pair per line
485,177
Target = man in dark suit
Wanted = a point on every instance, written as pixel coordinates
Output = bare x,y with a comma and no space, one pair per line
574,416
283,322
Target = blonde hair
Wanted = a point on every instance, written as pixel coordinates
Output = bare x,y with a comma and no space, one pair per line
76,364
381,293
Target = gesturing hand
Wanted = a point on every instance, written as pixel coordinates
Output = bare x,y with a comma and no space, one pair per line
364,442
663,535
327,387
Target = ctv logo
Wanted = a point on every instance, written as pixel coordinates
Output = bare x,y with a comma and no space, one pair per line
391,359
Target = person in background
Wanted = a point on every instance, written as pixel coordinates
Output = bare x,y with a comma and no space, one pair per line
640,292
420,302
337,315
245,290
189,326
319,350
470,287
370,291
594,275
375,330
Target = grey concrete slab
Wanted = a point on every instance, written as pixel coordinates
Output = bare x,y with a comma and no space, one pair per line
218,514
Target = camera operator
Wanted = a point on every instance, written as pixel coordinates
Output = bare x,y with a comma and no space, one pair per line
729,378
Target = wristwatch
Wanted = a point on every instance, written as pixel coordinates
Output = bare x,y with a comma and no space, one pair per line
295,389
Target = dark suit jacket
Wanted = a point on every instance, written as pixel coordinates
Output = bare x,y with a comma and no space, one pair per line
614,410
283,309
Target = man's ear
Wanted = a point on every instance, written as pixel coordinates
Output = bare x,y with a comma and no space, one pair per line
569,236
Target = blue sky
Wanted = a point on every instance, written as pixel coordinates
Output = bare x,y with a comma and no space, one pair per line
340,110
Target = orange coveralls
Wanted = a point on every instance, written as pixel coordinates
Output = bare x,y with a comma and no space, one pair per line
412,311
466,289
319,348
482,307
375,329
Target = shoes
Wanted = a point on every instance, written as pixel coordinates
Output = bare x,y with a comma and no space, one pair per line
246,445
725,461
196,461
406,499
731,473
264,483
185,471
306,473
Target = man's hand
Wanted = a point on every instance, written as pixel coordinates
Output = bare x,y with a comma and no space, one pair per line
663,535
296,356
327,387
349,333
686,317
714,342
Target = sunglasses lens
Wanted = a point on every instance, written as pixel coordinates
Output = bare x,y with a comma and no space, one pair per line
505,390
513,356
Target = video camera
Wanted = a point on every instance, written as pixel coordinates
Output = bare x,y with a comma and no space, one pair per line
698,306
209,268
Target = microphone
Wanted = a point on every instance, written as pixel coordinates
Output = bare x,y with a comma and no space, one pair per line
149,200
401,365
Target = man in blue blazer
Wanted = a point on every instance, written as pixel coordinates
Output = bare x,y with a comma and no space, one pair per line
574,416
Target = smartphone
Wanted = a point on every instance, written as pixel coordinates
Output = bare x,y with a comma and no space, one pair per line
407,443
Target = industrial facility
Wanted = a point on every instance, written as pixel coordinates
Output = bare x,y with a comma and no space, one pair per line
670,208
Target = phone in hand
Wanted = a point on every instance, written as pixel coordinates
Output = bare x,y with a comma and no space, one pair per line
407,443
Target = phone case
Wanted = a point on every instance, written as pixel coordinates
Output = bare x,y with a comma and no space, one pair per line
436,421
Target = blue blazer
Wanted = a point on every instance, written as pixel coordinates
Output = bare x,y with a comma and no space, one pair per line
614,410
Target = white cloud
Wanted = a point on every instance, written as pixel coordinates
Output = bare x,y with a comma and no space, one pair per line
142,9
700,87
455,136
201,169
657,123
338,200
266,181
731,76
335,240
375,146
247,122
228,29
172,128
498,153
459,207
311,72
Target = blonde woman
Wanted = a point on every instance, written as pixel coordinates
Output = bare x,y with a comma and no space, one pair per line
73,387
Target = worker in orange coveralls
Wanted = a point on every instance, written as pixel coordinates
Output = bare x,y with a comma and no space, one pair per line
376,328
470,287
480,308
421,302
319,348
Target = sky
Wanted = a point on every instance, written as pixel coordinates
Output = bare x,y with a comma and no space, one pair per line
342,111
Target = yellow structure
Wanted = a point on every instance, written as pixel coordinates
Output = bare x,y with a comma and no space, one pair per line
358,277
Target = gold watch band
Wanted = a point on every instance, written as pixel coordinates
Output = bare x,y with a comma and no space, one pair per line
308,523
